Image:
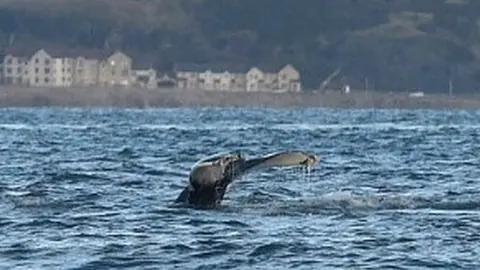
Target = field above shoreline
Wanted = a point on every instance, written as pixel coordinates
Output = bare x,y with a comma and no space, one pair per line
145,98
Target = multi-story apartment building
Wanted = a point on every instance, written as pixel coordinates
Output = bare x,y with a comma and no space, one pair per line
38,70
13,69
63,72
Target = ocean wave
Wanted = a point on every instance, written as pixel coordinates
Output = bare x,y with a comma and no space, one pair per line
348,202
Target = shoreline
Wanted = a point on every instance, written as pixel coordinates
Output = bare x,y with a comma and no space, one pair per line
15,96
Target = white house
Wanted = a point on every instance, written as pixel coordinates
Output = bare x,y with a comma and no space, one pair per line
255,80
289,79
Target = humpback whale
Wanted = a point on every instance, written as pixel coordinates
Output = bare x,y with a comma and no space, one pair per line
210,177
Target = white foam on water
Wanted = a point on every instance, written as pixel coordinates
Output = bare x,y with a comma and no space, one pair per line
47,126
233,127
374,126
190,127
16,126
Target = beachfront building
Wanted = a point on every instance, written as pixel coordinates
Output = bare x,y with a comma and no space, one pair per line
67,68
38,70
188,76
85,71
215,80
166,80
116,70
13,68
145,78
239,81
42,69
289,79
62,69
253,80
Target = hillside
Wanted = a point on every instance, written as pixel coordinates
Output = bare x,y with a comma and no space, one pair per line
391,45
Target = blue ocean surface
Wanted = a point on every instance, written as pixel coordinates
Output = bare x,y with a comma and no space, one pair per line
94,189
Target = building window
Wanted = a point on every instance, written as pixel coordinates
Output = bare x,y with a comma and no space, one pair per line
36,70
37,80
125,72
10,61
9,70
47,70
37,61
47,62
47,80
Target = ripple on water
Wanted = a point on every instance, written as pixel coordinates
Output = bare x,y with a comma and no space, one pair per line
93,189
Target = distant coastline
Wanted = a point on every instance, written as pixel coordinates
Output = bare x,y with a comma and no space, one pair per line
13,96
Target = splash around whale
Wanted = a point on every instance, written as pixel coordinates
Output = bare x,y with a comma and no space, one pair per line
210,177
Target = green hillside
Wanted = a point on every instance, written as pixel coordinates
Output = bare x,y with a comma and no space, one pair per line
391,45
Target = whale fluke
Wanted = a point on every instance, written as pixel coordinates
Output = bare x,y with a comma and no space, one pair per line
210,177
281,159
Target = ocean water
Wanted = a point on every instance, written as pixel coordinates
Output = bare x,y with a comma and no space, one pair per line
94,189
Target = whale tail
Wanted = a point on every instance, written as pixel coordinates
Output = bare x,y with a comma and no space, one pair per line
210,177
282,159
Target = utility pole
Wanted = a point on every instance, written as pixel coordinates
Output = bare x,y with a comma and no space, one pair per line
451,75
450,87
